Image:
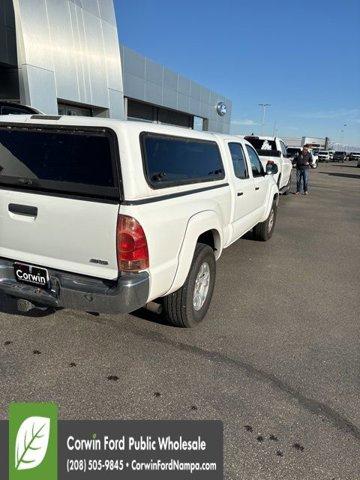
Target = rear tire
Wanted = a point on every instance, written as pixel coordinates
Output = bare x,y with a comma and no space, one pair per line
263,231
188,306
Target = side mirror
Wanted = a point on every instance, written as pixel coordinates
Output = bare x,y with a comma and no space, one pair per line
271,168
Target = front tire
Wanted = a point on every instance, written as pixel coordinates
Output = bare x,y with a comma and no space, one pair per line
263,231
188,306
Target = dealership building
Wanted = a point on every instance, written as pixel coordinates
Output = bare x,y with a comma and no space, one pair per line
64,57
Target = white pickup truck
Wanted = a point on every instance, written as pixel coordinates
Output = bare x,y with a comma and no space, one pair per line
273,150
106,216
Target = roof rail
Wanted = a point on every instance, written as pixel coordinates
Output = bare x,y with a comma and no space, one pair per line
45,117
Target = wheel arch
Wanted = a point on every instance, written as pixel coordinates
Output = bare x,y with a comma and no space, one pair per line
273,197
203,227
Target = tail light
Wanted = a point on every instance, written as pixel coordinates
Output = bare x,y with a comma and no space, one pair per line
131,245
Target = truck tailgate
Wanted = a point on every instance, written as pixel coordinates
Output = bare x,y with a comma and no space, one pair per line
72,235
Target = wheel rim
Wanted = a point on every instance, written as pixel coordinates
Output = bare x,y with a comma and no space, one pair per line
271,220
202,284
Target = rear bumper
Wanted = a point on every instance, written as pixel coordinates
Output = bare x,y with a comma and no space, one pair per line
67,290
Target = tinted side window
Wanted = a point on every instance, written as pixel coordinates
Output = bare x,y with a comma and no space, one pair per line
10,110
256,166
178,161
238,159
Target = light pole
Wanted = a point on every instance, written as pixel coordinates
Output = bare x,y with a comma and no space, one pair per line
275,129
344,139
342,135
264,106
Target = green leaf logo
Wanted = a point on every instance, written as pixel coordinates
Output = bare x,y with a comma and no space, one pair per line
32,442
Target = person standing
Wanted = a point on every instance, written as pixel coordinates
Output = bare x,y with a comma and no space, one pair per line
302,162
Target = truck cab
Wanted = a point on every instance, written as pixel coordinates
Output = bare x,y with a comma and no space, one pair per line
273,150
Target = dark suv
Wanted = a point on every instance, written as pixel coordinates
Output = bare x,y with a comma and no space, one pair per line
13,108
339,157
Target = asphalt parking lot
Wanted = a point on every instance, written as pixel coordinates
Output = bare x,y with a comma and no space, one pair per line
278,358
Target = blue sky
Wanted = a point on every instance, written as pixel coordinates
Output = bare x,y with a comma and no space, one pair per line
301,56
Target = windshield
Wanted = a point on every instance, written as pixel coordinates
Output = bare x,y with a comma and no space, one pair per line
72,161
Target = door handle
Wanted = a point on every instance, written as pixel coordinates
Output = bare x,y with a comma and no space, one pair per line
23,209
257,188
240,193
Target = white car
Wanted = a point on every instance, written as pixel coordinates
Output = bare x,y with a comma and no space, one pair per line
273,150
324,156
354,156
106,216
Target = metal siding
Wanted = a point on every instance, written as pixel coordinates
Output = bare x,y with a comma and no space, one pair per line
184,85
134,87
149,81
204,95
78,44
112,56
170,80
134,63
91,6
154,72
170,98
195,106
96,56
44,80
116,104
36,40
204,110
195,90
107,11
82,79
62,40
153,93
213,126
183,102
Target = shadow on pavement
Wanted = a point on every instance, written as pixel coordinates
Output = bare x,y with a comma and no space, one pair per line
345,175
144,314
345,166
9,305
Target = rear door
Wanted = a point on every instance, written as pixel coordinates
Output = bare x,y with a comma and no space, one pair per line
59,198
260,182
244,205
286,167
